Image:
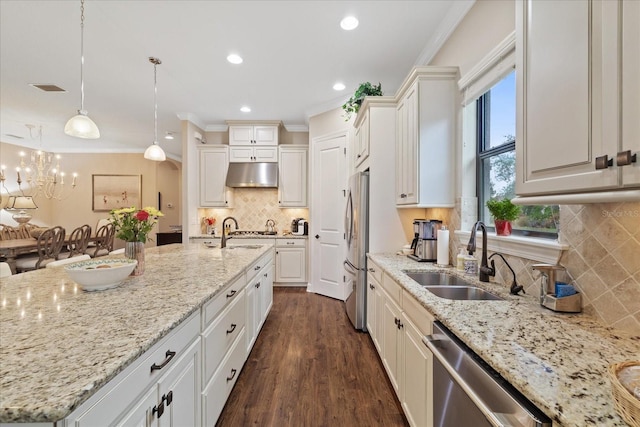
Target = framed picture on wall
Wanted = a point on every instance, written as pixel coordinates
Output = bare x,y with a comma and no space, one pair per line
116,192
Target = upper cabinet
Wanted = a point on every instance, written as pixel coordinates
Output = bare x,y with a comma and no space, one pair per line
253,135
292,179
578,96
214,163
361,137
425,140
248,154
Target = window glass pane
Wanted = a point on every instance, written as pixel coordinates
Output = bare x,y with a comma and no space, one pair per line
501,117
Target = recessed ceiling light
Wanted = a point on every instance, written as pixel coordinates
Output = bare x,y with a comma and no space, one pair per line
338,86
234,59
349,23
245,109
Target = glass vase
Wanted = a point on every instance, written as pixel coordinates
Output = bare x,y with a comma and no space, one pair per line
135,250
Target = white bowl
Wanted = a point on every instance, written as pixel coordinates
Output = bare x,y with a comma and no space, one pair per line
100,274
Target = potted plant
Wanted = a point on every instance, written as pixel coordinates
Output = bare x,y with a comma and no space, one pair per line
354,103
503,212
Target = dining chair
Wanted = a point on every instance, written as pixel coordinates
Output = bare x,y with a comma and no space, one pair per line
24,230
68,260
79,240
8,232
103,241
49,246
5,270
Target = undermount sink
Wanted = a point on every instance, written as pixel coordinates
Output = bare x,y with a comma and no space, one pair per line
434,278
462,293
449,286
243,247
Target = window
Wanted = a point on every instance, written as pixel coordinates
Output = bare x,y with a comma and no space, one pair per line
496,167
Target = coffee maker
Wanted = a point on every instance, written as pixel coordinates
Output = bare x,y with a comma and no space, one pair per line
425,241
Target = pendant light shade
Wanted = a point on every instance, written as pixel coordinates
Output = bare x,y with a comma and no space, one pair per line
154,151
80,125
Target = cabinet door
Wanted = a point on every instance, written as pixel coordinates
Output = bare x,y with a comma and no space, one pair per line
291,265
252,313
180,391
142,415
292,182
407,149
416,395
265,135
362,139
372,286
241,154
240,135
265,154
562,128
214,163
391,357
266,293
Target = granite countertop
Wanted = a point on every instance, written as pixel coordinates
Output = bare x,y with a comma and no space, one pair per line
559,361
251,236
59,344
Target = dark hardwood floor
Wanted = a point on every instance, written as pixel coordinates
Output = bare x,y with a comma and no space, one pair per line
310,367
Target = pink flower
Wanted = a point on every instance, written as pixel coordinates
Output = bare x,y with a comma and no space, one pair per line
142,215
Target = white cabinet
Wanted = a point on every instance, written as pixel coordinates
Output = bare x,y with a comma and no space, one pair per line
167,377
259,290
292,179
391,340
361,137
213,166
291,261
578,96
425,140
249,154
253,135
374,302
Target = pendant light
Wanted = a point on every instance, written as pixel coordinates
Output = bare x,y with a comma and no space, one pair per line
154,151
81,125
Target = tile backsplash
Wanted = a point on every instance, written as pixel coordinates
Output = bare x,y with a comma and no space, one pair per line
252,208
603,258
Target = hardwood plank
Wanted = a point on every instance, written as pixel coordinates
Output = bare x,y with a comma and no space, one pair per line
310,367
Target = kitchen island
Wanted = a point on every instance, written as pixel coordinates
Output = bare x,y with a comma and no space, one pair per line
59,345
558,361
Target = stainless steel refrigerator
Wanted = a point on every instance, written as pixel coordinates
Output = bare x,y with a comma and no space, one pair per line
356,224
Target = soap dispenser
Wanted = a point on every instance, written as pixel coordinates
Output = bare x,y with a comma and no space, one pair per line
550,274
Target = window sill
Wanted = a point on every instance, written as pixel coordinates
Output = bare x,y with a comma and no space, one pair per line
536,249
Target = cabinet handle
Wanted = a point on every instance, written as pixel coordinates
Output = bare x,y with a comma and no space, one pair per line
371,286
169,355
232,293
233,374
233,328
257,285
372,270
402,196
257,268
266,274
169,398
603,162
159,409
625,158
291,243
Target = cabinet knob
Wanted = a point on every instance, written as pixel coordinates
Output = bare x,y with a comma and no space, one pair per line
317,236
625,158
402,196
603,162
358,156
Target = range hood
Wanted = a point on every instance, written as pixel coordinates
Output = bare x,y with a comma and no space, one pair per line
252,174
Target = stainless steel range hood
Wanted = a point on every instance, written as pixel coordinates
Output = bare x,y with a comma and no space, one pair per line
252,175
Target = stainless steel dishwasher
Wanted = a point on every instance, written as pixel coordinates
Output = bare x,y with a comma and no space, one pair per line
469,393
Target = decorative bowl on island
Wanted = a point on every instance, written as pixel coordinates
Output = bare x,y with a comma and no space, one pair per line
101,274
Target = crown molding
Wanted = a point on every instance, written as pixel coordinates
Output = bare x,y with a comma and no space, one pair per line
216,128
499,52
191,118
296,128
447,26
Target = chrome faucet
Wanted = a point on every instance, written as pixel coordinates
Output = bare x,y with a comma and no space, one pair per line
471,248
223,240
515,288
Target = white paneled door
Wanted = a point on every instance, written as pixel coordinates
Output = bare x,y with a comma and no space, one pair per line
328,200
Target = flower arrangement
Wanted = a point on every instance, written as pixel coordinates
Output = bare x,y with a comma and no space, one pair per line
134,225
211,221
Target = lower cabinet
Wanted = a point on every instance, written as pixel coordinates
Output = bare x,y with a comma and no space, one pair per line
259,294
291,261
399,325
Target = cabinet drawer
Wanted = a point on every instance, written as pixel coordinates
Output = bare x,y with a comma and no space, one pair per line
291,243
216,392
392,288
418,315
259,265
374,270
213,307
222,332
114,398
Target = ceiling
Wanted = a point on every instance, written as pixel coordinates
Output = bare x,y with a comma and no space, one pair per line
293,51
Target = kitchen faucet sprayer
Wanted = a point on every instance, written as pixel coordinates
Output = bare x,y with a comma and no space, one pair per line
223,240
471,248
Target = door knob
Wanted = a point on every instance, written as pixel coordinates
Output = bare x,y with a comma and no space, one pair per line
317,236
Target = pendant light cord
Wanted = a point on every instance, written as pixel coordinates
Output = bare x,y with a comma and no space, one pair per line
155,62
81,56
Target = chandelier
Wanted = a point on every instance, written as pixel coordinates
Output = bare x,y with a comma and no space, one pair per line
39,174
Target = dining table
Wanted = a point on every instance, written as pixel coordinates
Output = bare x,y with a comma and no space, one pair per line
11,248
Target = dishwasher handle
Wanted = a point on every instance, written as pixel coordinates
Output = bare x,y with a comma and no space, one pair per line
431,342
